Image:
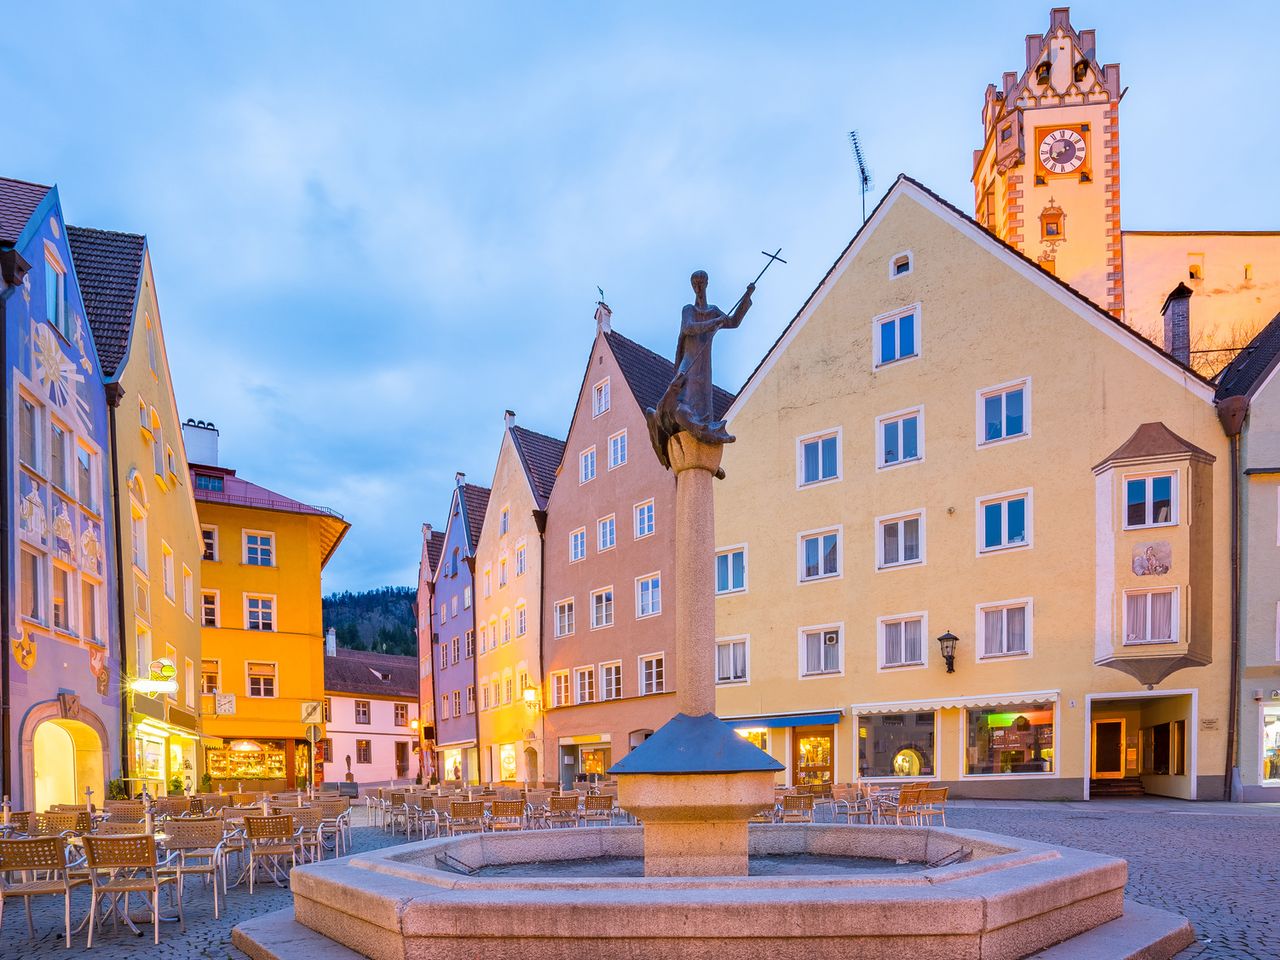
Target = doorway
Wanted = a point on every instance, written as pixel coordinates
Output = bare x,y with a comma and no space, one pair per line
531,766
67,758
402,759
814,751
1108,749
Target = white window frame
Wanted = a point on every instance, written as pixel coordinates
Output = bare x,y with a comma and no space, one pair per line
579,673
217,607
635,519
584,457
818,436
217,547
504,521
897,417
245,534
1175,492
896,258
980,625
618,444
559,607
188,592
556,699
838,530
601,399
275,611
980,415
643,659
521,617
745,640
613,611
876,321
980,521
168,573
217,674
647,578
881,622
728,552
1175,616
617,690
43,586
612,521
572,535
520,562
899,518
802,650
275,680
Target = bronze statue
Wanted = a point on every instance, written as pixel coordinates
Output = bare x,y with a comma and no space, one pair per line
688,403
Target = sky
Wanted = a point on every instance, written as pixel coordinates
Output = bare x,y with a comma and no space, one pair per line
375,227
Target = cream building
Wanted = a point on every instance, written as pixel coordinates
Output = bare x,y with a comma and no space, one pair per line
509,606
159,578
948,443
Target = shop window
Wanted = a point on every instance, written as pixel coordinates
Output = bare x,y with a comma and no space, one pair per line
364,751
507,761
1271,743
1009,739
896,745
757,735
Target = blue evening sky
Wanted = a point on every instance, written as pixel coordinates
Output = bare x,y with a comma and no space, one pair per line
374,226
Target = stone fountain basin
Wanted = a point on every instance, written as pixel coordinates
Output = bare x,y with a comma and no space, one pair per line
1010,899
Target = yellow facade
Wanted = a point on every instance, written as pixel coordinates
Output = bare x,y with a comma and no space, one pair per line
161,557
985,322
261,678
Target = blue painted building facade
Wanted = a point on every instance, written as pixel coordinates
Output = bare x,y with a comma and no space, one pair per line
453,636
61,679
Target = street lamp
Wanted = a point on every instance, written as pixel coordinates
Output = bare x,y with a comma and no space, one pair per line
531,697
948,643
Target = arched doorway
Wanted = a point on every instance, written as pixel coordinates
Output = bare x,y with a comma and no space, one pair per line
531,765
66,757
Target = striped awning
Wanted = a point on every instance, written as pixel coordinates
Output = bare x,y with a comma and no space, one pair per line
942,703
794,720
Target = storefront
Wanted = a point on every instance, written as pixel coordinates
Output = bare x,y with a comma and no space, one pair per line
897,746
585,758
250,765
806,744
162,754
459,762
1270,773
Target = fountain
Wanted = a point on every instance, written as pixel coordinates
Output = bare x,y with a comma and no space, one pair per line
696,879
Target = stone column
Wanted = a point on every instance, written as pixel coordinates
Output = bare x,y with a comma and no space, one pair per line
695,464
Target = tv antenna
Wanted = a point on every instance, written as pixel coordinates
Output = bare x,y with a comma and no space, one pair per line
864,175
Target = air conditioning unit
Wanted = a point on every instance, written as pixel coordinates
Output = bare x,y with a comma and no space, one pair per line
831,638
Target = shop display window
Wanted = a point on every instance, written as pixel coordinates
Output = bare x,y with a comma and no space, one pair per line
1013,739
896,745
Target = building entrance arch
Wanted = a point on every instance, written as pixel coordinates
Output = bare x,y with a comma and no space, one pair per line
61,756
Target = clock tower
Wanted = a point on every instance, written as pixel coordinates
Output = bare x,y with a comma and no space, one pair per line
1047,178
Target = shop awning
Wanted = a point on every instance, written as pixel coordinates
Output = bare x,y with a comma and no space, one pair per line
795,720
943,703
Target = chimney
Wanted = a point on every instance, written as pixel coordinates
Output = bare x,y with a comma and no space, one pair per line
201,440
426,532
604,317
1177,323
509,418
459,477
331,642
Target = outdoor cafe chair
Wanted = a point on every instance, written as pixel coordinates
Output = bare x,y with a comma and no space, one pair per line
797,808
125,811
19,823
306,821
40,864
109,828
270,840
851,804
931,806
334,823
508,815
562,811
171,806
120,866
904,809
466,816
598,808
199,845
55,824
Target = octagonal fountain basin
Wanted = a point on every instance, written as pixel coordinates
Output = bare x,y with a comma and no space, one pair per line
816,891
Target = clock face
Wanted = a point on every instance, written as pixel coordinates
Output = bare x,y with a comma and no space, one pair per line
1062,151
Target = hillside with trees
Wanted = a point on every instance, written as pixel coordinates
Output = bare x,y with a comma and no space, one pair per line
381,620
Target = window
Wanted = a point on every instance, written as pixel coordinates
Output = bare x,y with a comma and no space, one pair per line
364,751
652,674
901,264
258,549
821,651
502,573
900,438
166,565
142,645
453,606
209,677
469,638
58,456
504,522
896,745
564,618
444,706
1009,739
522,620
1004,522
507,689
648,596
731,661
466,598
521,560
819,458
1149,501
32,600
138,536
606,533
617,450
444,656
86,470
188,591
1003,413
602,608
610,681
643,519
457,703
600,398
55,295
485,703
326,750
1004,628
362,712
587,465
209,608
486,585
89,611
1149,616
210,537
577,544
205,481
260,613
901,541
820,555
61,598
584,683
456,647
902,641
262,679
506,627
28,448
731,570
560,689
328,709
896,337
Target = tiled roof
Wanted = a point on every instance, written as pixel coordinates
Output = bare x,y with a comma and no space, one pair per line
475,500
18,201
649,374
353,671
1155,440
541,456
1251,365
435,546
108,266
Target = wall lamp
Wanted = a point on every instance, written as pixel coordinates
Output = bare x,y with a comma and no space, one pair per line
948,643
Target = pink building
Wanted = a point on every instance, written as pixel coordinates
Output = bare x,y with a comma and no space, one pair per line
371,717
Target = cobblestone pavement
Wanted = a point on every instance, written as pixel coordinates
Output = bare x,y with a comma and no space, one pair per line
1217,864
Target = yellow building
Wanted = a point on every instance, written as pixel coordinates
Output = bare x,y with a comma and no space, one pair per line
947,444
155,512
509,605
262,674
1047,181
